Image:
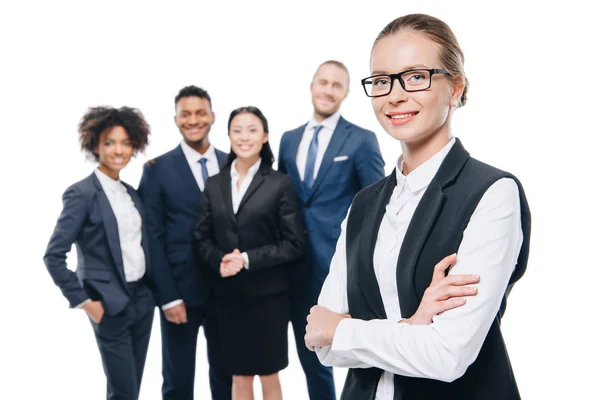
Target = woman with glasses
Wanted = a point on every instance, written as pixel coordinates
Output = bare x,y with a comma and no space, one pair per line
374,305
104,217
249,230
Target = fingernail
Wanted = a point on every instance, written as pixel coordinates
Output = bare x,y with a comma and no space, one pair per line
476,277
474,290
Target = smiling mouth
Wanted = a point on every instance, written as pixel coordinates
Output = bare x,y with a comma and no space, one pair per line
402,116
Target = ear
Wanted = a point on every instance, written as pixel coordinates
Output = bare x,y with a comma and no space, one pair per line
213,116
265,138
458,86
175,119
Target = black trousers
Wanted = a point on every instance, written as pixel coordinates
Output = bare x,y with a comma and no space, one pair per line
123,342
179,355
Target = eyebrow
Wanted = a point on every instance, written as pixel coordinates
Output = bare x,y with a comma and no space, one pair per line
414,66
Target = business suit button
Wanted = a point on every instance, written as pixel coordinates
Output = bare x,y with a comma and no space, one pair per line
307,205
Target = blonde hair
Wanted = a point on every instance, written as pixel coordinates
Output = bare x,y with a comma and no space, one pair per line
439,32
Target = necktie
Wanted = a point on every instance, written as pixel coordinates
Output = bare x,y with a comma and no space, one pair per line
202,162
311,159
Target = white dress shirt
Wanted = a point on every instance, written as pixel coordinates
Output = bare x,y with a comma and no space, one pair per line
193,158
238,194
444,349
129,224
325,135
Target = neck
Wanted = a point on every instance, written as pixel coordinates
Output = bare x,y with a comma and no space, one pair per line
418,152
242,165
201,146
320,117
109,172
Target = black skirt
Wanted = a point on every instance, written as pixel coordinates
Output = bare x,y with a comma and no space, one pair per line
253,333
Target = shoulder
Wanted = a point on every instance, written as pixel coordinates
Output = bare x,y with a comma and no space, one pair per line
83,187
368,193
279,177
476,171
287,134
160,160
359,133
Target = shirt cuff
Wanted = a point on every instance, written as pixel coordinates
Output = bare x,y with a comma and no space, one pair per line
246,261
171,304
83,303
350,331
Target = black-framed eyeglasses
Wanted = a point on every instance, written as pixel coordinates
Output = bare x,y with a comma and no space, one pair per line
413,80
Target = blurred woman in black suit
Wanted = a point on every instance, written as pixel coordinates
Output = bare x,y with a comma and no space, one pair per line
250,228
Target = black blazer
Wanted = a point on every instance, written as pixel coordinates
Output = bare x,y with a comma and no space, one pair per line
87,220
268,226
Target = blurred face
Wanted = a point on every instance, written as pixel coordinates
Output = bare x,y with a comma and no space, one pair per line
247,136
329,88
194,118
114,151
414,117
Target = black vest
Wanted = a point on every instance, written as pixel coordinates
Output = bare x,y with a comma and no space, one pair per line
435,231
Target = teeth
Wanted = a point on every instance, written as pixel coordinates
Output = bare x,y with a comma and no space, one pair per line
402,116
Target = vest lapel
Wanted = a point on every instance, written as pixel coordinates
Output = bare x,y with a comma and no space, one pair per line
421,224
368,237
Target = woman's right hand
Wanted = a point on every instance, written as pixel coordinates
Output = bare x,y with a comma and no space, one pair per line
444,293
94,310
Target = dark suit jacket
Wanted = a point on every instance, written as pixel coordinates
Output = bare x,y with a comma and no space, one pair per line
358,164
172,198
268,226
88,221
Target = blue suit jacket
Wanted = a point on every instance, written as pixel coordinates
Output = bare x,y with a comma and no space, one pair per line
358,164
88,221
172,198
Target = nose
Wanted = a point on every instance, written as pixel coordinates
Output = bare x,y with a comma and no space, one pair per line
193,119
398,94
118,148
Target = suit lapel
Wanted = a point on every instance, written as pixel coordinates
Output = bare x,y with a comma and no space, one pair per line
421,224
368,238
221,158
181,165
110,228
225,177
257,181
340,135
140,207
292,149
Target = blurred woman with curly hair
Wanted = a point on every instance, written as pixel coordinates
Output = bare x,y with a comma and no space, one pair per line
104,217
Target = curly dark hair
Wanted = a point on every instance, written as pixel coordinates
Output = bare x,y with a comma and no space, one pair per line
192,90
98,119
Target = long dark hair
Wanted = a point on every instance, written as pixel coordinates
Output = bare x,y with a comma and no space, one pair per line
266,154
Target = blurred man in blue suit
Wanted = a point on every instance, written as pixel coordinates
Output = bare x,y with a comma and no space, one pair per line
329,160
171,188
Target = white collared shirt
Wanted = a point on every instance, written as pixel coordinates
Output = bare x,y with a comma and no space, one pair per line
444,349
238,194
193,158
129,225
325,135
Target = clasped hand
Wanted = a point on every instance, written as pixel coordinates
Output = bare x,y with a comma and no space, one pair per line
231,264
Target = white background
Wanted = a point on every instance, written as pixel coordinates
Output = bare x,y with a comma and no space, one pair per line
534,93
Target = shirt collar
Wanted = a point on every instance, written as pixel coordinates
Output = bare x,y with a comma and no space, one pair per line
192,156
329,122
251,172
109,183
422,176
